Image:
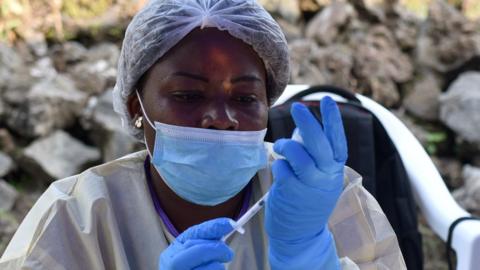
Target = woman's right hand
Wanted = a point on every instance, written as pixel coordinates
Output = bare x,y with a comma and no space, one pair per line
199,247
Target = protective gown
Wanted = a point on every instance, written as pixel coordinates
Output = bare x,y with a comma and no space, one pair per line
104,218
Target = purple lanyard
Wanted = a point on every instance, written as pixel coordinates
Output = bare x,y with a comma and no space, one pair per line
163,215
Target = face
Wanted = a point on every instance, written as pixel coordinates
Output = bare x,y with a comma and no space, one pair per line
208,80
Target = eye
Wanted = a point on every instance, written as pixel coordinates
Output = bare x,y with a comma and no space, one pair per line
187,96
246,99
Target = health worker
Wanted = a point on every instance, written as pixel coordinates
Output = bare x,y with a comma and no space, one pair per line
195,81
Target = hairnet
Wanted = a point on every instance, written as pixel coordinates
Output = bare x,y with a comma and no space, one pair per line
161,24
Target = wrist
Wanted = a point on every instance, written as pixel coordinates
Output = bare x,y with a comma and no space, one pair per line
317,252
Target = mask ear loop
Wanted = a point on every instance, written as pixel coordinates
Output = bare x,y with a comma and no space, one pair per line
148,121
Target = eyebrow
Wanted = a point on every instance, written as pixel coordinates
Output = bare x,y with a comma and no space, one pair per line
243,78
191,76
246,78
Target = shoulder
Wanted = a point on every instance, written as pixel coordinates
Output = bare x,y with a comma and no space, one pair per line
74,205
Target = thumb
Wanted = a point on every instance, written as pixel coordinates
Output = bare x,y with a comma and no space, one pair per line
213,229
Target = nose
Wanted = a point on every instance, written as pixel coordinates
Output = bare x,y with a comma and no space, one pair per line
219,116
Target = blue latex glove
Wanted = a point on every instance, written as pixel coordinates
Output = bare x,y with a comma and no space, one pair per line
199,248
307,185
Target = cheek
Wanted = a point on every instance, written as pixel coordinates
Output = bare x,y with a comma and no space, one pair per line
254,119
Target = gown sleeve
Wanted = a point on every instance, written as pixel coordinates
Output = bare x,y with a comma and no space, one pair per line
69,227
363,235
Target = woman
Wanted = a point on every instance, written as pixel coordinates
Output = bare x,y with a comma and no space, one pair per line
195,81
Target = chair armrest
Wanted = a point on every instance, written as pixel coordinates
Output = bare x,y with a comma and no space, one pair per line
431,194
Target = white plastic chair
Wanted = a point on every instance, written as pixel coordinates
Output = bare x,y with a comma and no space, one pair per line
430,192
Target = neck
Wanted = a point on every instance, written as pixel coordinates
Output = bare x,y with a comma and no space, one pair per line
184,214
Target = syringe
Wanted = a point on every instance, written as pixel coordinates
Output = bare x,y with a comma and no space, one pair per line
238,225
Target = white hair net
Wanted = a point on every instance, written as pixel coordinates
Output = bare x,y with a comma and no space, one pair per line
161,24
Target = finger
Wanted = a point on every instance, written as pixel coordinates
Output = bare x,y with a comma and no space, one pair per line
202,254
296,155
333,128
314,138
211,230
211,266
282,172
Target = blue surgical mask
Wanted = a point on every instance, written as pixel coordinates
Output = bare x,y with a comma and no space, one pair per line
206,166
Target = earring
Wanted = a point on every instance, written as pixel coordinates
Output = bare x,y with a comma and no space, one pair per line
138,122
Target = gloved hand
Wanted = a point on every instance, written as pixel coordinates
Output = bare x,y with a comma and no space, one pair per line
307,185
199,248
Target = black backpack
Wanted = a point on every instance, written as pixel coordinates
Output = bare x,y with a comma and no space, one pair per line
373,155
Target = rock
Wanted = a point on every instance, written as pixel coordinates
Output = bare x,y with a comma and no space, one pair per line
405,28
105,128
324,27
51,103
292,31
379,64
303,70
289,10
6,164
88,76
104,51
38,45
448,39
369,11
460,106
68,53
57,156
451,171
422,101
43,68
336,64
9,58
6,141
10,62
8,196
469,195
8,226
98,72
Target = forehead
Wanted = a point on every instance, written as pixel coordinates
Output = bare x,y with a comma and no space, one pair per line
212,51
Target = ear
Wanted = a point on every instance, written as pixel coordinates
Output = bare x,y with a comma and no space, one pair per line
133,105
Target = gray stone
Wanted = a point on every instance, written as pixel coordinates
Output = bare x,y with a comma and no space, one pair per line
104,51
66,54
324,27
460,106
6,164
405,28
10,62
105,128
51,103
43,68
468,196
289,10
89,76
57,156
447,38
303,70
422,101
8,196
336,63
38,45
379,64
6,141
